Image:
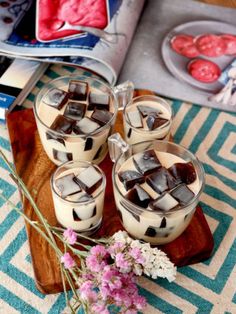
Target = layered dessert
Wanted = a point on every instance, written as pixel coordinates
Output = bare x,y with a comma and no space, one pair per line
156,193
147,118
78,194
74,120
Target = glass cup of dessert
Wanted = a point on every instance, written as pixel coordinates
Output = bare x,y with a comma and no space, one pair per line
157,185
78,190
146,118
75,116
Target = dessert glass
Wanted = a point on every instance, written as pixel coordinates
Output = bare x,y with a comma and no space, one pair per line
154,226
80,210
136,132
61,147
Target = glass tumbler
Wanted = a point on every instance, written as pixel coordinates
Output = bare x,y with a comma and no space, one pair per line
78,190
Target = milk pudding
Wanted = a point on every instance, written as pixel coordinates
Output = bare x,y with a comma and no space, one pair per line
74,117
156,193
147,118
78,190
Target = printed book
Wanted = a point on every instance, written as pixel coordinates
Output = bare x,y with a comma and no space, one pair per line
17,78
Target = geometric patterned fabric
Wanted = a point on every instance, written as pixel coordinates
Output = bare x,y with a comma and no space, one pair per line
207,287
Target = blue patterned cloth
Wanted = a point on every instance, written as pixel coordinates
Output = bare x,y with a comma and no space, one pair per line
208,287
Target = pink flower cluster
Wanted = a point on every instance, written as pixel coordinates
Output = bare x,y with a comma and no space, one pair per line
109,279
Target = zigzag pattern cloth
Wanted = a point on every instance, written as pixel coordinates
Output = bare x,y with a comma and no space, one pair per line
207,287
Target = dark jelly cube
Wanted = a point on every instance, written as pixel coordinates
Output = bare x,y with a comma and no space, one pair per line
56,98
164,203
75,110
98,101
101,116
153,122
183,172
67,186
161,180
146,110
129,133
61,156
89,179
98,153
146,162
130,177
62,125
163,223
51,136
182,194
85,126
88,143
75,216
138,196
150,232
78,90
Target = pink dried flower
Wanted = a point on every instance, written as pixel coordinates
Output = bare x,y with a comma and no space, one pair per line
97,259
110,278
87,293
67,260
116,248
100,308
122,263
137,255
70,236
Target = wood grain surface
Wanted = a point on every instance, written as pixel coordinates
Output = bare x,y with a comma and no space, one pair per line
34,167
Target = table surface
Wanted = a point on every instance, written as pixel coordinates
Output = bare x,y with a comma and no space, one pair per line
207,287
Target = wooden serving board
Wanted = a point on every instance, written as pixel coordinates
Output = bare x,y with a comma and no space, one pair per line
34,167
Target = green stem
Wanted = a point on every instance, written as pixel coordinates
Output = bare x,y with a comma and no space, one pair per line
33,224
79,252
80,235
28,196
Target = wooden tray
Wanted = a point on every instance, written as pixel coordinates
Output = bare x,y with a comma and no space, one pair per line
34,167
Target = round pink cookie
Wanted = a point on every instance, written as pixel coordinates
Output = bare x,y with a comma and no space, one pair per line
203,70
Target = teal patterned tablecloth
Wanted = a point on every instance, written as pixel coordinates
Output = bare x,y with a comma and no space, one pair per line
207,287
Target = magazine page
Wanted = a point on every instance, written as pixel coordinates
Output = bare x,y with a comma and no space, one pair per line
100,44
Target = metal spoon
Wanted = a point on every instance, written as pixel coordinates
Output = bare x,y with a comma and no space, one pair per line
109,37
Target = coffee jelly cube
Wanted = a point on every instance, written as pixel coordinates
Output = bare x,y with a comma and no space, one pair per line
81,196
153,121
101,116
62,124
89,179
67,186
61,156
78,90
75,110
147,110
161,180
138,196
130,177
146,162
89,212
135,119
56,98
52,137
183,172
182,194
85,126
164,203
98,101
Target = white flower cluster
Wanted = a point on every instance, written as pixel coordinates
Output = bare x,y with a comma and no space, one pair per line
156,264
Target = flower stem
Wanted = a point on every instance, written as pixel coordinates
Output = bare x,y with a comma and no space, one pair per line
28,196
